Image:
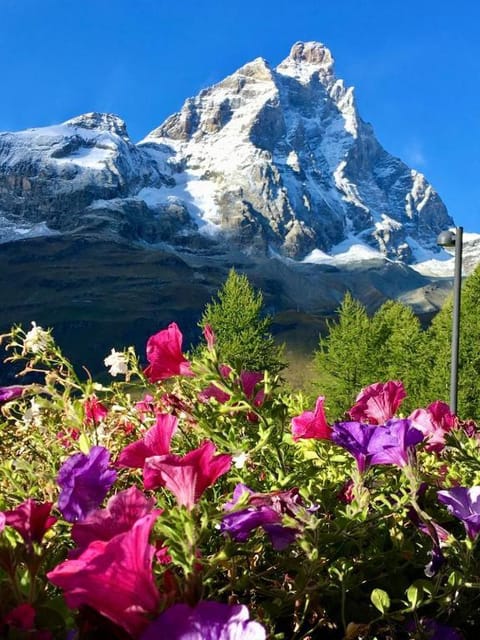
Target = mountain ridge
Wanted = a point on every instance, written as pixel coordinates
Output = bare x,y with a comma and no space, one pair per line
271,170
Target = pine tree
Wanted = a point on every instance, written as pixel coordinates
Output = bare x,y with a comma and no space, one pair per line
439,351
242,330
343,358
397,347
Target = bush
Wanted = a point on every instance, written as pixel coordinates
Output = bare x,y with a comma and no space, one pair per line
190,498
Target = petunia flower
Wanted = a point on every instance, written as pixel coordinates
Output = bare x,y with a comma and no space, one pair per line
164,353
378,402
37,340
186,476
21,617
31,519
355,438
116,363
393,443
10,393
434,422
311,424
114,577
95,411
208,620
121,513
155,442
84,481
209,336
265,510
464,504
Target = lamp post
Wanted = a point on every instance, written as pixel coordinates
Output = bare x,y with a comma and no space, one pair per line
454,239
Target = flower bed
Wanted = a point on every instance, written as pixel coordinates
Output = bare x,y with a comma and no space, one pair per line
186,500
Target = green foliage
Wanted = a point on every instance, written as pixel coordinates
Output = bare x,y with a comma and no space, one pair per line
358,549
438,354
243,338
359,350
343,359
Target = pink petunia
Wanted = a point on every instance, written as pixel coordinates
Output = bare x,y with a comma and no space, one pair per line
155,442
114,577
95,411
312,424
123,510
186,476
31,519
434,422
21,617
164,353
378,402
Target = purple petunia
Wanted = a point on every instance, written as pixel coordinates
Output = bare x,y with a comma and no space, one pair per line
464,504
355,438
10,393
393,443
265,510
84,481
208,620
378,444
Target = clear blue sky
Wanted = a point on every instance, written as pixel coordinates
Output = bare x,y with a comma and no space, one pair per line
415,65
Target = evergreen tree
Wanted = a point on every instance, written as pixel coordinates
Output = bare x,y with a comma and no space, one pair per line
397,347
343,358
439,351
242,331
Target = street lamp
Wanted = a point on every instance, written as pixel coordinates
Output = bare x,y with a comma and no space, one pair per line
454,239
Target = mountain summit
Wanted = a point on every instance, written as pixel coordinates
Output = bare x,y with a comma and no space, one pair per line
272,160
281,160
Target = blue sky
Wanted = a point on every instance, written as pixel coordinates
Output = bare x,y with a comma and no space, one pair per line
415,66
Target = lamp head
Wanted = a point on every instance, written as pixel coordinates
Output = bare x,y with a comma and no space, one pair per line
446,239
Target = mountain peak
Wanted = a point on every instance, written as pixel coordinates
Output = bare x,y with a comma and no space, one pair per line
311,52
307,59
100,122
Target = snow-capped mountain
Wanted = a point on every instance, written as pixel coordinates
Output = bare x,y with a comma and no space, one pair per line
273,160
280,158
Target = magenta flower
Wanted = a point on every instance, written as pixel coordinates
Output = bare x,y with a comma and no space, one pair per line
31,519
2,521
21,617
311,424
114,577
464,504
212,391
121,513
378,402
95,411
164,353
248,383
209,336
206,621
84,481
10,393
394,443
434,422
265,510
155,442
186,476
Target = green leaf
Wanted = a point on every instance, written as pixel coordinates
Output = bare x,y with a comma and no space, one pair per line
380,600
84,444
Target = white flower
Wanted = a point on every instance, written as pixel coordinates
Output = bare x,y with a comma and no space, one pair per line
116,362
36,340
33,415
239,460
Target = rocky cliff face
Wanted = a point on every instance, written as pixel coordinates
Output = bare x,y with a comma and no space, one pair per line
270,159
282,161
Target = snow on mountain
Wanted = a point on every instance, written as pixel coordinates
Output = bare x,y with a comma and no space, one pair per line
273,161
